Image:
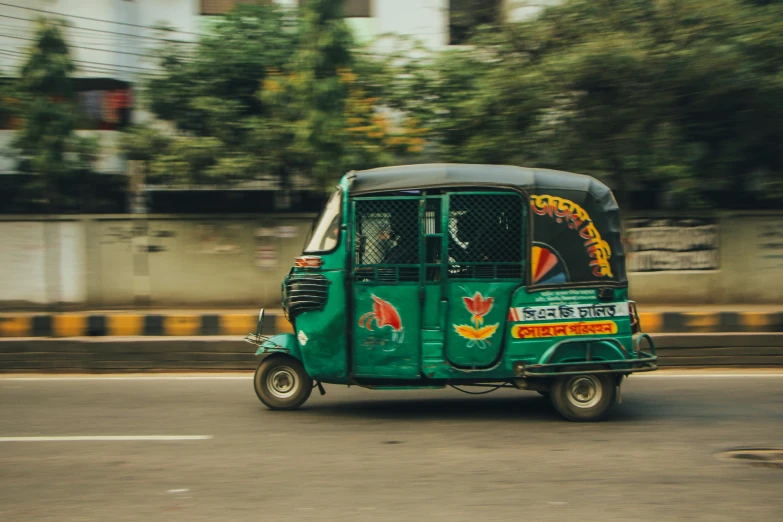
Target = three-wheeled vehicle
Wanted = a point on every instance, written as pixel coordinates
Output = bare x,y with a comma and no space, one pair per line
434,275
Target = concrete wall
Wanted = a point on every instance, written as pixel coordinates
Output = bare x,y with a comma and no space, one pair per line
114,262
42,262
749,266
165,261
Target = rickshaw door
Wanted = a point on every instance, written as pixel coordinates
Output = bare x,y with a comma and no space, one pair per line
386,291
484,260
432,279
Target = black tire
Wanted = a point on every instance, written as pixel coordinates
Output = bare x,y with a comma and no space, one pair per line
282,383
584,398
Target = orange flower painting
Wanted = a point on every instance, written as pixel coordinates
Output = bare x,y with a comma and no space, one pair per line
477,334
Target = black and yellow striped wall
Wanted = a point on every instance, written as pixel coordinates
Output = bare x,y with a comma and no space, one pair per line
240,324
138,324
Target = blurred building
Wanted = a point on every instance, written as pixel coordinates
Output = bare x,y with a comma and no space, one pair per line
111,43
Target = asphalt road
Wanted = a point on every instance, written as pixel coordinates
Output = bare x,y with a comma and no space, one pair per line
361,455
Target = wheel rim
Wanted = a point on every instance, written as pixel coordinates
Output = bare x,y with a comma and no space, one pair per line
282,382
584,391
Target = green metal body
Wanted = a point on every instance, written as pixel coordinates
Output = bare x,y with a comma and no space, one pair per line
428,329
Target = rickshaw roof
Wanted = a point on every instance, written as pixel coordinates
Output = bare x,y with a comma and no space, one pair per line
433,175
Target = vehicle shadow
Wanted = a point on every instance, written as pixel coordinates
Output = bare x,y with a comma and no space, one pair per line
521,406
531,407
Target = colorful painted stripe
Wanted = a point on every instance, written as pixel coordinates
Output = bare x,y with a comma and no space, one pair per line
570,329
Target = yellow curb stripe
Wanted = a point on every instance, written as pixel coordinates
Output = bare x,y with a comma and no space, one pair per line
651,322
70,325
701,319
16,327
182,325
132,324
237,324
755,319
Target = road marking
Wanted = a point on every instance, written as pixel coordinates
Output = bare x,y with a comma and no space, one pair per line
107,438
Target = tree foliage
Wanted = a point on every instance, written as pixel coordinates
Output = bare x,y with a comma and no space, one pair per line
55,159
674,96
270,93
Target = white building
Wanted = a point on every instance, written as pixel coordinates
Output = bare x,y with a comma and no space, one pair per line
112,40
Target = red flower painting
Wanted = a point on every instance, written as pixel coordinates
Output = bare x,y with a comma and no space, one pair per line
384,314
479,306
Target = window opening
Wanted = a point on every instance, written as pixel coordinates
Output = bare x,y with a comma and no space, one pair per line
325,233
485,237
387,240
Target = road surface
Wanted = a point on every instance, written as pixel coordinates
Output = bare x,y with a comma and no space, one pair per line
204,448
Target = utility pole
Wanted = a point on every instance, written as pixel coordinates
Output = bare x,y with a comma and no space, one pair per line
137,193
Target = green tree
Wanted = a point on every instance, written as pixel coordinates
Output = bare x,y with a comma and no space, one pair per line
467,15
57,164
209,92
677,96
45,144
325,116
273,94
281,95
324,53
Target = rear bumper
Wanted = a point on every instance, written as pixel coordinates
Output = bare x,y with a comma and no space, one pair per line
638,361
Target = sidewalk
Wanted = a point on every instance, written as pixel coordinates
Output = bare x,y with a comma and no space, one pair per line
238,322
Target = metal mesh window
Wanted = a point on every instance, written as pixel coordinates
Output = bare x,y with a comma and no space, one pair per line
387,239
485,236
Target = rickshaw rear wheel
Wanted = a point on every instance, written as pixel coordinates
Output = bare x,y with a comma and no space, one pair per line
584,398
282,383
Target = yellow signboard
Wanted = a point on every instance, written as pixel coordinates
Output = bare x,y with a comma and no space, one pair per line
539,331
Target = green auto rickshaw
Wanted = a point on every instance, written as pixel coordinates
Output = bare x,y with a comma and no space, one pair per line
434,275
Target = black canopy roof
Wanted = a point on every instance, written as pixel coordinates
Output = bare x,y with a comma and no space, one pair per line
429,175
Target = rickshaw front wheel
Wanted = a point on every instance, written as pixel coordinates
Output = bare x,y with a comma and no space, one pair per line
587,397
282,383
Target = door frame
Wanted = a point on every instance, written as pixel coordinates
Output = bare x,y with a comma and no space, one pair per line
449,283
351,284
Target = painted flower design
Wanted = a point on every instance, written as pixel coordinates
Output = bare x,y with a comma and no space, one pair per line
477,334
384,314
479,306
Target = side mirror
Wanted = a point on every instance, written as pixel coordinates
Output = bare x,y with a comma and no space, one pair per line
260,323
